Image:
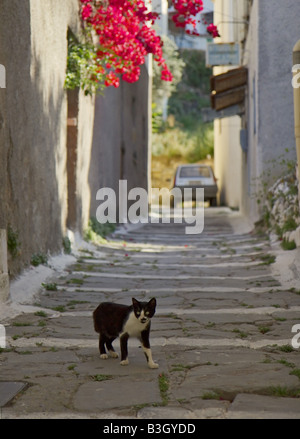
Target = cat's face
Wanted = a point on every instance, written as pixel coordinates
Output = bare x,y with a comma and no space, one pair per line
143,311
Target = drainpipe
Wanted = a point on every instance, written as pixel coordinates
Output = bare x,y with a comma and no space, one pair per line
296,86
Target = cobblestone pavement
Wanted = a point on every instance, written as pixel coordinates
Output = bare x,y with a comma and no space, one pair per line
221,333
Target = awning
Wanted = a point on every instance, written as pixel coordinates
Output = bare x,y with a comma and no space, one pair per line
229,89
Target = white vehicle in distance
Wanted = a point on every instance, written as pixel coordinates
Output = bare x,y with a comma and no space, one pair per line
196,176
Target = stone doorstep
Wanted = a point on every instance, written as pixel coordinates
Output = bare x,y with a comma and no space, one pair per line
8,390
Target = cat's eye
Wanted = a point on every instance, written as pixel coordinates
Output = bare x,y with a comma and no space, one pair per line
147,313
138,313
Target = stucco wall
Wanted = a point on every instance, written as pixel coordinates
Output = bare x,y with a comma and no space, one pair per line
110,145
84,152
121,138
227,149
250,166
273,31
227,160
278,32
33,48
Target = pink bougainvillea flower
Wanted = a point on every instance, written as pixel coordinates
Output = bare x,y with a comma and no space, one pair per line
87,11
112,79
186,12
212,29
125,35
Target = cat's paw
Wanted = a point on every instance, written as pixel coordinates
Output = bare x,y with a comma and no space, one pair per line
124,362
113,354
104,356
153,365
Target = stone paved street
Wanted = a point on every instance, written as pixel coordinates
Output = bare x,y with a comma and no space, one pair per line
221,333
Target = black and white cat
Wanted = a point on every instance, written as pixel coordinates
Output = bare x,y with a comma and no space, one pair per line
112,320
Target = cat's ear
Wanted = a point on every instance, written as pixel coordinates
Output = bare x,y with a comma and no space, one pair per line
135,302
152,303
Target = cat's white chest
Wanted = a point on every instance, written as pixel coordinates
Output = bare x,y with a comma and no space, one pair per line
133,326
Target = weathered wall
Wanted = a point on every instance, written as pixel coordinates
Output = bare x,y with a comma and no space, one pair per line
121,137
227,160
278,33
42,191
33,48
273,31
84,146
227,149
250,171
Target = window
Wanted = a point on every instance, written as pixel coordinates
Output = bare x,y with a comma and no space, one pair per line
195,171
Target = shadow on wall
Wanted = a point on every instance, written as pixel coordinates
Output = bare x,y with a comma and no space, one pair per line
34,107
34,151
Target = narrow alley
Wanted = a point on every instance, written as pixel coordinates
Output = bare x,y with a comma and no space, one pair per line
125,112
221,333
